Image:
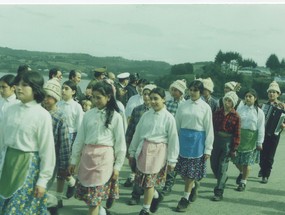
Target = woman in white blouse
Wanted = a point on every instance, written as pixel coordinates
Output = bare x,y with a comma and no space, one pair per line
27,158
154,148
252,136
100,147
196,136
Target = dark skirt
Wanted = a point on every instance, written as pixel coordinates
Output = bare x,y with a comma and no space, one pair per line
194,168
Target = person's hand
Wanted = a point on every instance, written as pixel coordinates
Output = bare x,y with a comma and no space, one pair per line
71,169
115,175
206,157
233,154
170,168
39,191
259,148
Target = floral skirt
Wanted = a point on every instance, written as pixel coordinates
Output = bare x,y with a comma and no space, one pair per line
194,168
247,158
23,200
151,180
93,196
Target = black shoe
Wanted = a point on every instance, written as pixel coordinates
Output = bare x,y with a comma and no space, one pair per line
217,198
134,201
155,203
182,205
143,212
109,203
59,204
129,183
241,187
52,210
239,179
259,174
194,192
70,191
264,180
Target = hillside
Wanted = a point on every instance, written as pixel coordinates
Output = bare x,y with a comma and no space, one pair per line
10,59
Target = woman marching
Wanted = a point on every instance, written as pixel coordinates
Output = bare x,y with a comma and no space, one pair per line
154,148
101,148
195,127
252,136
28,164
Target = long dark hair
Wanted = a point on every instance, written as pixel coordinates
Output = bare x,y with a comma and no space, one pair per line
72,85
106,90
254,93
35,80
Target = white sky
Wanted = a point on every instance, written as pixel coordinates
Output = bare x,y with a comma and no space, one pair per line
175,33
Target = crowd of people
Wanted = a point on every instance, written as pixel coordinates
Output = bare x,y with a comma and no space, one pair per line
56,132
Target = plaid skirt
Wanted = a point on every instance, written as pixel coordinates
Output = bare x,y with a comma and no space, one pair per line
194,168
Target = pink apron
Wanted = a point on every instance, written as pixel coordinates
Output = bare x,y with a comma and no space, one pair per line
152,157
96,165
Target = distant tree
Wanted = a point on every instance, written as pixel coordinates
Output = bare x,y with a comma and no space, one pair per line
248,63
282,64
219,57
227,57
273,62
180,69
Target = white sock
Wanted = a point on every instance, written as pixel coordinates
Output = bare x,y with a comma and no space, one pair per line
71,181
102,211
59,195
155,194
146,207
186,195
132,176
243,181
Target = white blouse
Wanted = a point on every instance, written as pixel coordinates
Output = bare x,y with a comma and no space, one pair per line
6,103
158,127
196,115
93,131
73,112
28,127
253,119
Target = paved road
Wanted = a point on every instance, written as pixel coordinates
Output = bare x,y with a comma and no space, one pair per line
258,199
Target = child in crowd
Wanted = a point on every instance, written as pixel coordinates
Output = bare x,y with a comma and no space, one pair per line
86,105
101,148
27,158
60,134
134,120
271,141
227,138
154,148
177,90
195,129
7,92
208,90
230,86
252,136
74,114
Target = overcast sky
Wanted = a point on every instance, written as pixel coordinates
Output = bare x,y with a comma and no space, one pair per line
170,33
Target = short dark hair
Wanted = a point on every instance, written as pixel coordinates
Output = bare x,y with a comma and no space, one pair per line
23,68
72,73
53,72
36,81
8,79
159,91
197,85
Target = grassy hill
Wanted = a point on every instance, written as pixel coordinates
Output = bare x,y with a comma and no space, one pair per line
10,59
